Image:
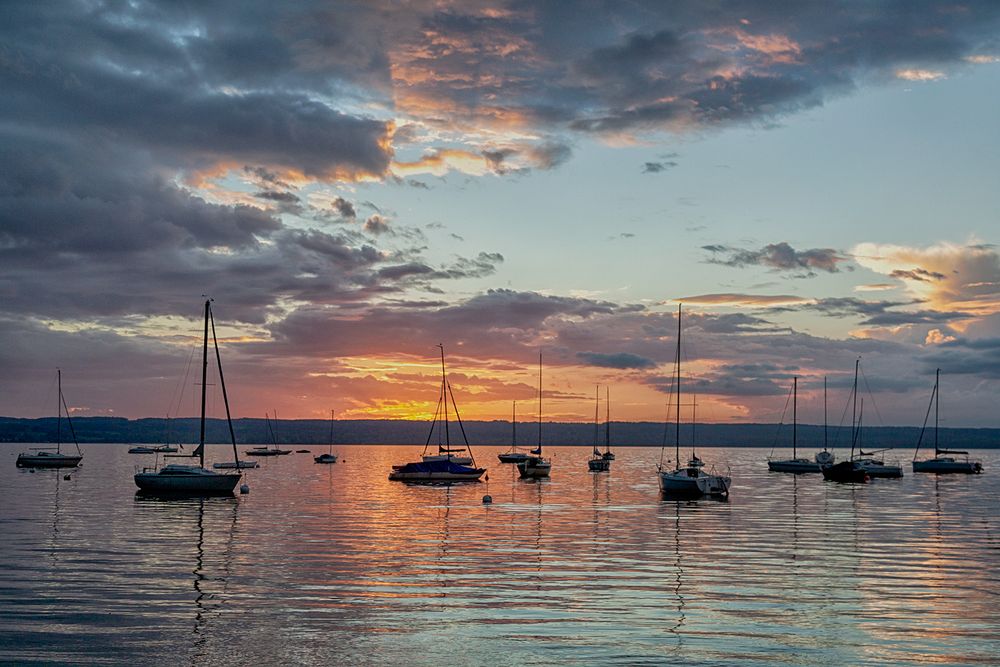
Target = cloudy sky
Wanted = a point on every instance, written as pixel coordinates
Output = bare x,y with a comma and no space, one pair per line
356,182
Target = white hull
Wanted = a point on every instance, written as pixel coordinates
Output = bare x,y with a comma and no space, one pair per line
793,466
693,483
946,464
534,468
880,469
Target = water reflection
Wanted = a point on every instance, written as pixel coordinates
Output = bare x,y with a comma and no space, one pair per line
335,564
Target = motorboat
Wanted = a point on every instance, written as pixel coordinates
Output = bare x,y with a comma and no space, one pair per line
44,457
690,481
182,479
328,457
945,461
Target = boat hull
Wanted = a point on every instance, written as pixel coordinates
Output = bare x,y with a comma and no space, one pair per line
435,472
234,465
325,458
845,472
183,482
608,456
534,467
460,460
514,457
947,465
693,483
267,452
797,466
882,471
599,465
48,461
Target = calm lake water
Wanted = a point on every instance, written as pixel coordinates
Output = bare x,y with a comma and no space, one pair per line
335,564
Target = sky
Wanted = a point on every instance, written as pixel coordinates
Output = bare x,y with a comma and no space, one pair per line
354,183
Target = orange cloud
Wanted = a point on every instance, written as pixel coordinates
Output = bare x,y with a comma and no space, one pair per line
731,299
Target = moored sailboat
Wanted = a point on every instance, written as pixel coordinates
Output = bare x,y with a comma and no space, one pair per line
849,471
597,461
42,457
690,481
329,457
177,478
536,465
795,464
272,449
443,467
514,454
944,460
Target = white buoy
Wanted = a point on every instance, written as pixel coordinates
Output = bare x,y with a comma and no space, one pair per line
487,499
245,489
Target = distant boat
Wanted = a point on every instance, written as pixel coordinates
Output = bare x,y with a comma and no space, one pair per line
514,454
147,449
849,471
597,462
536,465
443,467
690,481
944,460
44,457
875,467
177,478
794,464
329,457
236,465
272,449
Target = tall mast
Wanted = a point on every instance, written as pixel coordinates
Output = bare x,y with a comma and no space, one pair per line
677,426
513,424
539,401
331,431
607,420
937,407
597,408
59,412
795,416
204,385
854,409
225,398
824,413
444,394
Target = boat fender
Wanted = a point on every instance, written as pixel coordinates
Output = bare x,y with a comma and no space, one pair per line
245,489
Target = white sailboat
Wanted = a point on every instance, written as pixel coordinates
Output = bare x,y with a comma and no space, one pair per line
175,478
944,460
690,481
44,457
329,457
795,464
536,465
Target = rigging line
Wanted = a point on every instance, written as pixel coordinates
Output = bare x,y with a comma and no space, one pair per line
843,416
225,396
781,423
461,426
430,435
178,391
70,422
923,428
871,396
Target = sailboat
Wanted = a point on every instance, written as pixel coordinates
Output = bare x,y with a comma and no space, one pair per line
514,454
536,465
608,454
849,471
944,460
329,457
444,466
186,479
875,467
597,461
794,464
272,449
43,457
690,481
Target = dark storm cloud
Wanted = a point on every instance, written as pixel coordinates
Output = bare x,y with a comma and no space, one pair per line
881,313
965,356
779,257
621,360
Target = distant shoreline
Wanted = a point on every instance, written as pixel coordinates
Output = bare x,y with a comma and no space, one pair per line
118,430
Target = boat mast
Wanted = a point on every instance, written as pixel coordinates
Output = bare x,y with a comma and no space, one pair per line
204,385
795,416
597,408
444,394
225,398
513,425
937,408
539,403
854,409
59,399
677,426
607,421
824,413
331,431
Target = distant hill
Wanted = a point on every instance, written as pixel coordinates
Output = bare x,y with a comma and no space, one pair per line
399,432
